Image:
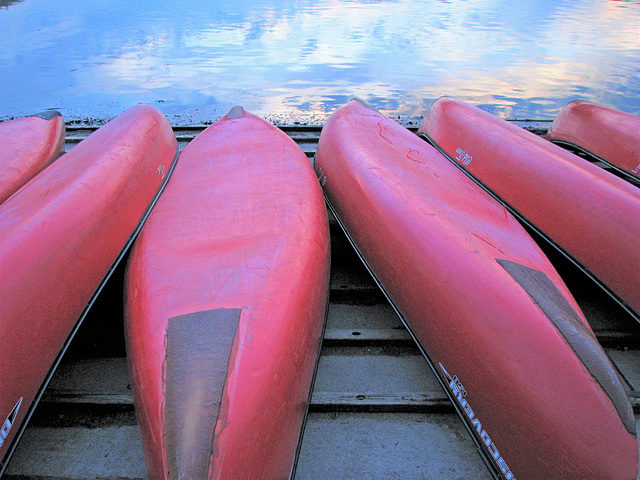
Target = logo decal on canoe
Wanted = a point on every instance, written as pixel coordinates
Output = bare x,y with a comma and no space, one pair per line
459,392
161,171
463,157
8,423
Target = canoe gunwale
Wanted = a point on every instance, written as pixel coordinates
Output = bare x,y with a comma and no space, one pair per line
294,466
593,157
482,451
526,222
127,246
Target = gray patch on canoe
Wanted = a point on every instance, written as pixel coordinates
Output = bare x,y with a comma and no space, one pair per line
583,342
47,115
198,352
235,112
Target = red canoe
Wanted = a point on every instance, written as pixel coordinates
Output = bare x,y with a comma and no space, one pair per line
226,294
589,213
28,144
495,321
610,134
60,237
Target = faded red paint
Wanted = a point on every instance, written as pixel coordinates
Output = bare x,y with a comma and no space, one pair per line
27,145
241,225
60,235
611,134
433,239
593,215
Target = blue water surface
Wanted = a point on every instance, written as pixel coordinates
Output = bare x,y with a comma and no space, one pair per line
298,60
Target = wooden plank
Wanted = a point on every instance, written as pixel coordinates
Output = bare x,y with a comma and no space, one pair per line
388,446
367,336
320,401
78,453
344,316
345,382
628,363
343,445
362,336
299,133
414,402
57,397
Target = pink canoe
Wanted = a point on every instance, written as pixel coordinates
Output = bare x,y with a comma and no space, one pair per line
592,215
28,145
610,134
226,292
60,237
495,321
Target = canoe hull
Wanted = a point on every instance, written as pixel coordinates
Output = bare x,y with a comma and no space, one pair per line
61,235
29,144
233,264
462,272
608,133
589,213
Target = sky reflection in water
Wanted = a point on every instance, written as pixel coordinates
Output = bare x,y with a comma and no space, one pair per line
302,59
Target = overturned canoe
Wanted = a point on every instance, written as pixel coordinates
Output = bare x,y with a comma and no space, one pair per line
60,237
592,215
226,292
493,318
610,134
28,145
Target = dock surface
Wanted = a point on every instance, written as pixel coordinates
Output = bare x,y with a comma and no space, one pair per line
377,411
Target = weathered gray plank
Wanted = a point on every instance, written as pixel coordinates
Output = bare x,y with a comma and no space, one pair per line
400,446
335,446
79,453
415,402
344,316
628,362
359,379
365,335
379,371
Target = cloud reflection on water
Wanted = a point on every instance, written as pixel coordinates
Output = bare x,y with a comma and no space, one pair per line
523,59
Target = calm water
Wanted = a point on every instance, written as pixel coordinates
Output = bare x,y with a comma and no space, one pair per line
301,59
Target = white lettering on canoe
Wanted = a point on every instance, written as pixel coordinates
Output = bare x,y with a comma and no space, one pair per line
463,157
637,169
459,394
161,171
8,423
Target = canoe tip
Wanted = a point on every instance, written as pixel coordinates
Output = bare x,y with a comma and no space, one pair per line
362,102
